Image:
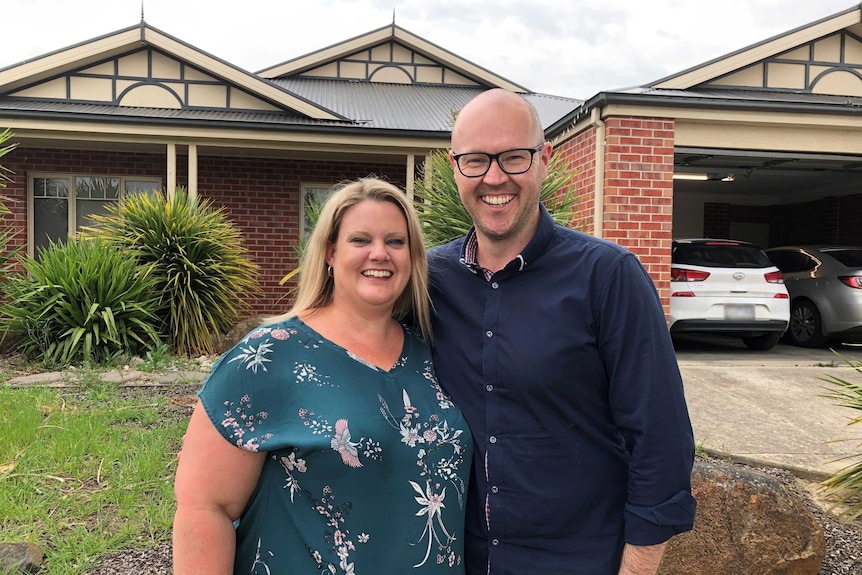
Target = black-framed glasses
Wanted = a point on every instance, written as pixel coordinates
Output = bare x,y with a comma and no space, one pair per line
477,164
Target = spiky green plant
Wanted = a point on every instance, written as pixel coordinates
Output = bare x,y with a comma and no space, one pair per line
7,253
444,216
846,485
204,276
82,301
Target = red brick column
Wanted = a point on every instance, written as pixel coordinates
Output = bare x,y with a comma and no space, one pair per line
638,199
638,189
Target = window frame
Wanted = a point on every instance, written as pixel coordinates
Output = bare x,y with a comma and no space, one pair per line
318,189
71,198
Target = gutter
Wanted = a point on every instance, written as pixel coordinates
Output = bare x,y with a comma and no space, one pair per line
844,107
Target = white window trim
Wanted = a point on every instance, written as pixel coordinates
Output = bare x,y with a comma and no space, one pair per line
71,203
317,188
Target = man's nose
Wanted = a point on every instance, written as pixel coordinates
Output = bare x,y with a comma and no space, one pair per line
495,174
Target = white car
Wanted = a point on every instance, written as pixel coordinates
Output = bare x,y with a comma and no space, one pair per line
727,287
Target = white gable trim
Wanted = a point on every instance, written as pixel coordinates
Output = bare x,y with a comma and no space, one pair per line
740,59
54,64
387,33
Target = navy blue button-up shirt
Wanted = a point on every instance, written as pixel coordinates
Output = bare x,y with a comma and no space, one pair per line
564,368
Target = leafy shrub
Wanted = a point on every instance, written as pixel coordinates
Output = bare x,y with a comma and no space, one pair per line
7,254
444,216
80,301
846,484
203,275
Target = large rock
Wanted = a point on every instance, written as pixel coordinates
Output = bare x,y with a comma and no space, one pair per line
20,558
747,523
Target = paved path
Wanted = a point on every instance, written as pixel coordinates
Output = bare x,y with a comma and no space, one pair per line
767,407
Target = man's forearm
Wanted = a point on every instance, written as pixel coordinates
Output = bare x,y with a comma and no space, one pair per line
641,559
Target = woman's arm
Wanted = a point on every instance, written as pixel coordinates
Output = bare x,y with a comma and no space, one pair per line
213,484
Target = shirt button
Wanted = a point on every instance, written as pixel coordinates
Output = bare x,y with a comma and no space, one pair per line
492,439
489,333
495,541
489,387
494,489
495,285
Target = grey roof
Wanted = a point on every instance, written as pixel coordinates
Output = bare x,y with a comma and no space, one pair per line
368,106
408,106
771,95
731,98
107,111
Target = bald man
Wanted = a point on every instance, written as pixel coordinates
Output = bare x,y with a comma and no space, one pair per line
555,346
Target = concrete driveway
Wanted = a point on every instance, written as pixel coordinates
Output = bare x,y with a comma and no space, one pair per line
768,406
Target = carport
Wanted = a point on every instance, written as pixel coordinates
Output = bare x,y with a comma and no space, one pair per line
763,144
766,197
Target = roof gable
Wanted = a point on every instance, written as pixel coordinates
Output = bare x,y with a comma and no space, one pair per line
799,59
392,55
141,66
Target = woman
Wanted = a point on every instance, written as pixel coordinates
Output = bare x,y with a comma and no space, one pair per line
322,441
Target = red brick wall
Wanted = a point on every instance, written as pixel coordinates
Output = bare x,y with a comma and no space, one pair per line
638,189
580,153
261,196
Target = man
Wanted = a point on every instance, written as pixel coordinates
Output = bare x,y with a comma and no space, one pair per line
555,346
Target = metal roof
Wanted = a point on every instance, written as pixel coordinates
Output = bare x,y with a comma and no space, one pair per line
109,111
368,106
408,106
752,94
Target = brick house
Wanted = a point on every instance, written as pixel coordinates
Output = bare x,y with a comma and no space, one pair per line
763,144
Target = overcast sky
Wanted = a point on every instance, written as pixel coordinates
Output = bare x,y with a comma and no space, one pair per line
568,48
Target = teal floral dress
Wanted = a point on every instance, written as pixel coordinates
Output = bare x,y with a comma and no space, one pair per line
366,470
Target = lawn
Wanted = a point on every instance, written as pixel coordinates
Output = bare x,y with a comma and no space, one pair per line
87,469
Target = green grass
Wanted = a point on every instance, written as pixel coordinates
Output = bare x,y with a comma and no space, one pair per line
86,471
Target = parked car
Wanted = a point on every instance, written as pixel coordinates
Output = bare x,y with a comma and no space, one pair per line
727,287
825,286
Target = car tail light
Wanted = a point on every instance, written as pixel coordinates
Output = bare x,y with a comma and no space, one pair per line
681,275
781,296
682,294
774,277
852,281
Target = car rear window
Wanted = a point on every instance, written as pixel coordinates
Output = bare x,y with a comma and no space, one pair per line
849,258
720,256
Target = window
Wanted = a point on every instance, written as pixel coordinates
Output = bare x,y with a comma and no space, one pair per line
313,198
63,204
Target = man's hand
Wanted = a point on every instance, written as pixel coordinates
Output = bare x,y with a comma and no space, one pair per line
641,559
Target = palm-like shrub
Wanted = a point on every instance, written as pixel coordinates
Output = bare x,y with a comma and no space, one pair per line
7,254
444,216
203,275
846,484
82,301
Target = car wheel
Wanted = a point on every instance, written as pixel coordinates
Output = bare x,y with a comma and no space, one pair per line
761,342
806,327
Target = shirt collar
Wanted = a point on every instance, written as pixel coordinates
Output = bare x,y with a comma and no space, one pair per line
531,252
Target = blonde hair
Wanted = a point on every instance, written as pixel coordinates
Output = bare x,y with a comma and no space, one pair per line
315,288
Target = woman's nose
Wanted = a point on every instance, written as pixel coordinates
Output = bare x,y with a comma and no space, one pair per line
379,252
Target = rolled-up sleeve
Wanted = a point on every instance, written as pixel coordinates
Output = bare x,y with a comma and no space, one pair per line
648,405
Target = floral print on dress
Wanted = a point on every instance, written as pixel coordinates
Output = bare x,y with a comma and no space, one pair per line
240,424
432,436
434,485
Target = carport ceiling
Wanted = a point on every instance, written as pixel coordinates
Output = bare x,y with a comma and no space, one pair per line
758,173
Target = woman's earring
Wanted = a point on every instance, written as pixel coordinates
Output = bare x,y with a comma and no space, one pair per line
329,271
